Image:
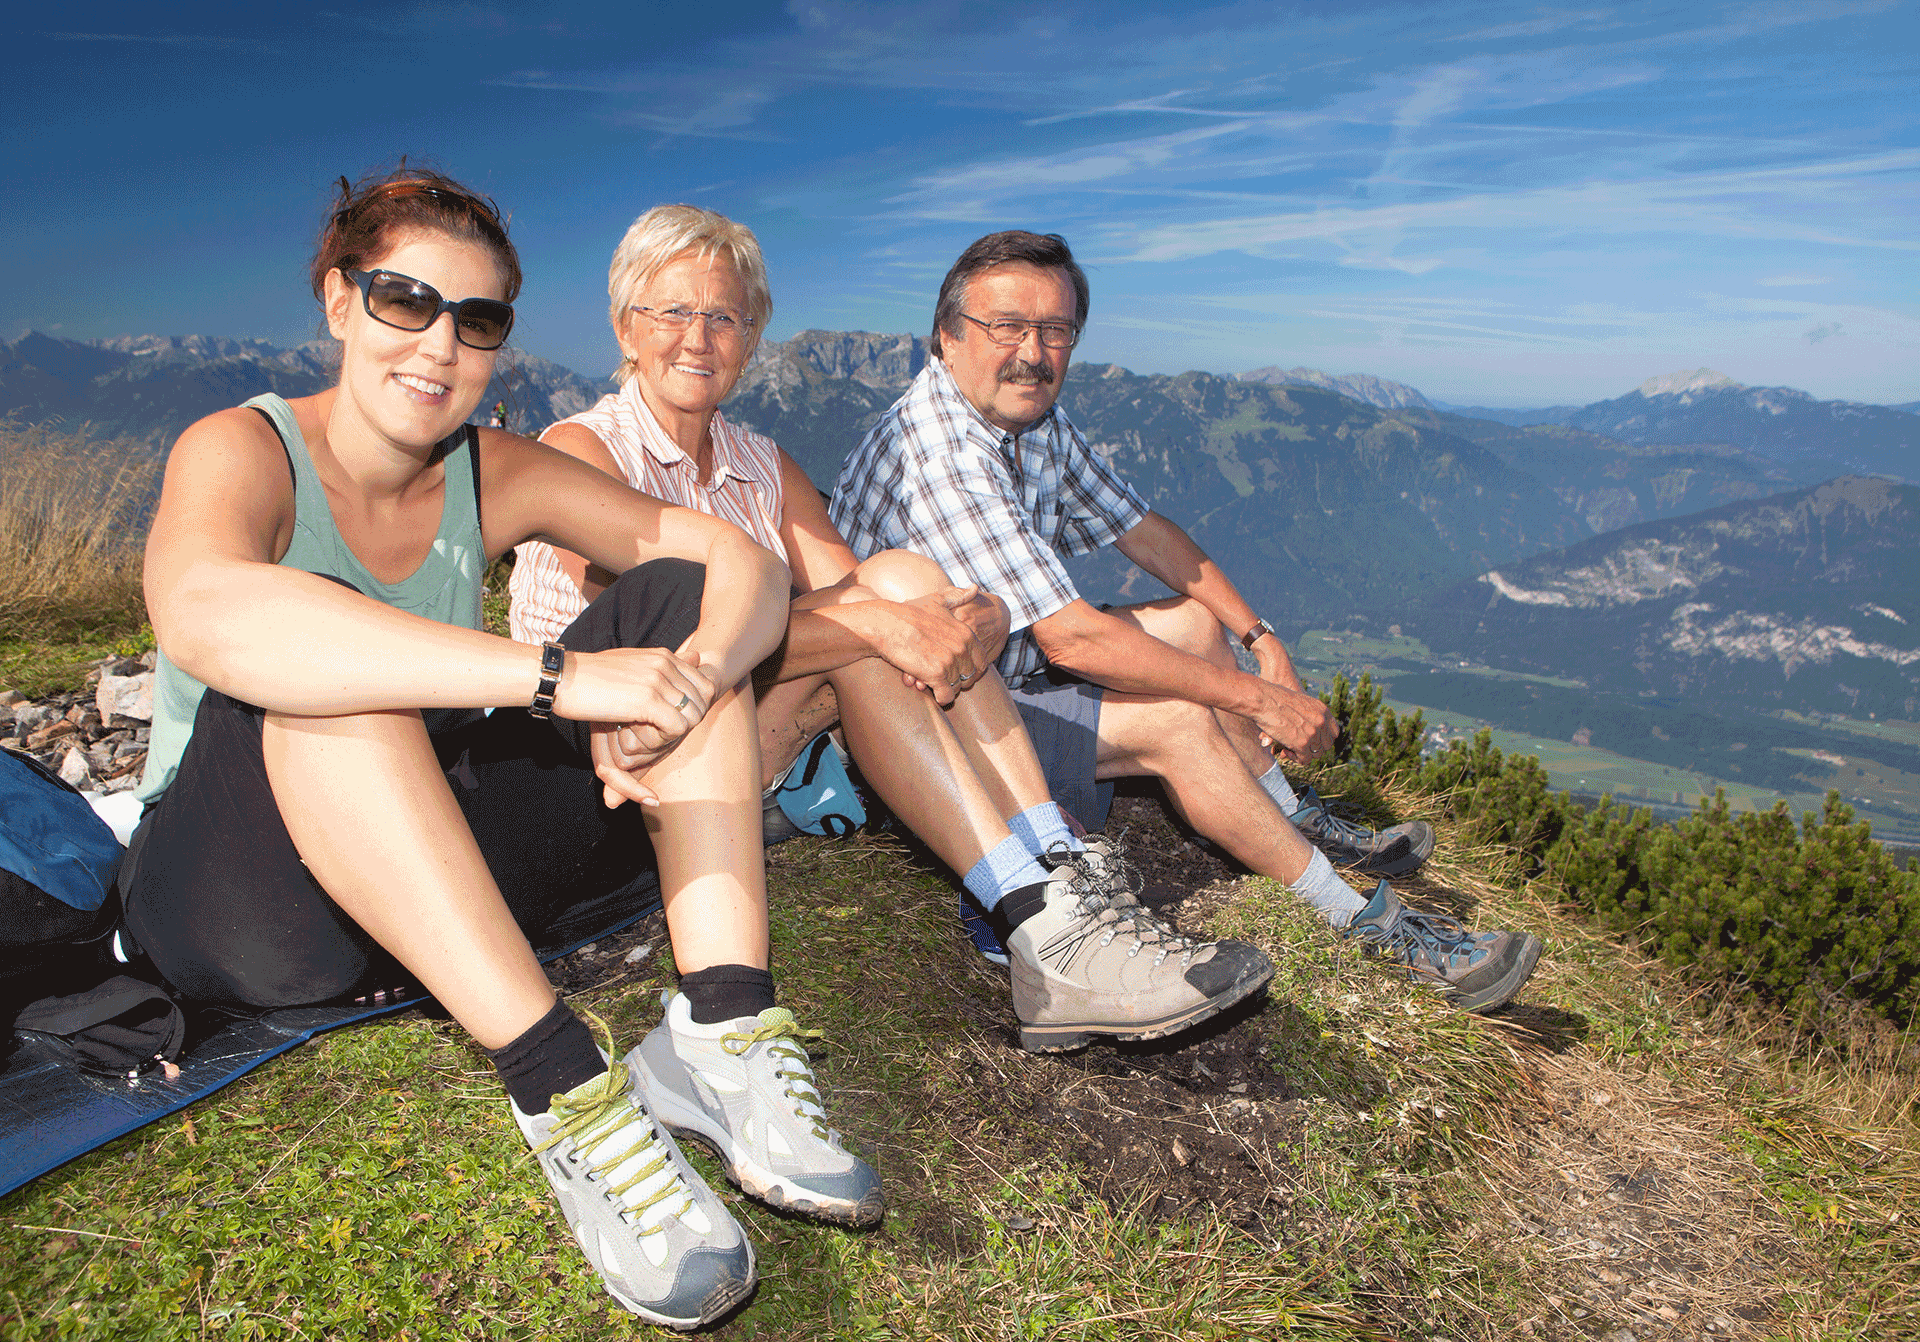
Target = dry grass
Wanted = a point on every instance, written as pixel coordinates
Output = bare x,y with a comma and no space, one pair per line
73,515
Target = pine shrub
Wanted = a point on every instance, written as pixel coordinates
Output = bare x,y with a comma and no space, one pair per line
1808,917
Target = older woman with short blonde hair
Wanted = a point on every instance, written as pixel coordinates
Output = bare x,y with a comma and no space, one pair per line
905,655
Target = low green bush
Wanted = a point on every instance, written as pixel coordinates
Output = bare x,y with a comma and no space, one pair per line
1806,917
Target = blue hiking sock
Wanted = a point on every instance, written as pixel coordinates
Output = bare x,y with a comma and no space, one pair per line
1280,790
1320,885
1007,867
1041,827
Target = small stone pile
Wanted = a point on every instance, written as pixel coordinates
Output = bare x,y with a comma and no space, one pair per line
97,739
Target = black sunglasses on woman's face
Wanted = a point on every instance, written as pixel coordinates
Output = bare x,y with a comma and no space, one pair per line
401,301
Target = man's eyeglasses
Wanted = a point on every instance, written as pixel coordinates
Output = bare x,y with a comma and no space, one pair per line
720,325
1012,330
408,304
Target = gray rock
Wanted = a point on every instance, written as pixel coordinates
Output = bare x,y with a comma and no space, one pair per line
73,769
128,696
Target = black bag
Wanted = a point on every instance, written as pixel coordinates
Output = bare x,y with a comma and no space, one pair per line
58,909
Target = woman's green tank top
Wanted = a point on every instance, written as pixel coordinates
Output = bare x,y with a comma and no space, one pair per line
446,587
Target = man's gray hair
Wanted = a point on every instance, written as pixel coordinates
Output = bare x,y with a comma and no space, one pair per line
1048,251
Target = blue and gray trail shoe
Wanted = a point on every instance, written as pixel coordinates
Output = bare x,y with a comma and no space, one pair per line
745,1088
1477,971
1376,852
663,1244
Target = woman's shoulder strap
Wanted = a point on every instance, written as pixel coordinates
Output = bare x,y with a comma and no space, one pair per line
280,418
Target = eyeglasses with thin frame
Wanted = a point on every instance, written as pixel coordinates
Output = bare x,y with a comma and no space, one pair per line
1013,330
674,317
400,301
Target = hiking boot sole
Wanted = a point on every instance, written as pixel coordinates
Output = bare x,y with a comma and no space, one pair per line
1064,1037
1498,994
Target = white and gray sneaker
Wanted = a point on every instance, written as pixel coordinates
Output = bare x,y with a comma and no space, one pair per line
663,1244
1093,961
745,1089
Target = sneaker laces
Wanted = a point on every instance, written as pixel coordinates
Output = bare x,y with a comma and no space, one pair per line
1337,826
785,1042
593,1119
1441,938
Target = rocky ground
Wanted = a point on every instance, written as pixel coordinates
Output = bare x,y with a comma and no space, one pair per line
96,739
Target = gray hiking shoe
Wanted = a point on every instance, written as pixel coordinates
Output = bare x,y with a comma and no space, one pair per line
661,1241
1096,962
1376,852
1478,971
745,1088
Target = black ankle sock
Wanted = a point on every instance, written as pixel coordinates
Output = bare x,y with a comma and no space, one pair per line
1015,907
556,1054
727,992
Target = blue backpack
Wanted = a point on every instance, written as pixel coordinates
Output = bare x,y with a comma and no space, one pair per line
53,850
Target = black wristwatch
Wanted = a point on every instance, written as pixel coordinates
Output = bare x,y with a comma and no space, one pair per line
1255,634
553,660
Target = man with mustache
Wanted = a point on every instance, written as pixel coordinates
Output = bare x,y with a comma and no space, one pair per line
977,467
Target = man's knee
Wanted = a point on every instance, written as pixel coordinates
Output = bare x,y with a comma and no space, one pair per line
1165,736
901,575
1190,627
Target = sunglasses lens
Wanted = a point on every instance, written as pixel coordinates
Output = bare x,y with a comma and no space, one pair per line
399,301
484,323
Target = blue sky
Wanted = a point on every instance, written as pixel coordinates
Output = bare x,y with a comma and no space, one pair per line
1507,204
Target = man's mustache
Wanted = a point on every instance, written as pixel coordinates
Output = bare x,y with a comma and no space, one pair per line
1027,374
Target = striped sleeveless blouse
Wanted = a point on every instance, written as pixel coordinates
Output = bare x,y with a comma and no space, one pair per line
744,489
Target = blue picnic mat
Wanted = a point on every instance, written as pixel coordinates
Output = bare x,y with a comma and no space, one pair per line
52,1112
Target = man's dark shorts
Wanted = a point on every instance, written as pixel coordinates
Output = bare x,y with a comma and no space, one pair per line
1062,715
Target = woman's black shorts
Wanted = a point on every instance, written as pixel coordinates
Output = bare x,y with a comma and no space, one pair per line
217,895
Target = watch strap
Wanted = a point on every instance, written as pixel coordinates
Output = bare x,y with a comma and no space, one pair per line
1260,630
553,660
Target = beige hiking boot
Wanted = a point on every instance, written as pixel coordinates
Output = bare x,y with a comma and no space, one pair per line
1094,962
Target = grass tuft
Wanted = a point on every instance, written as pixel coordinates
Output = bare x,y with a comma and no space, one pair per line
73,512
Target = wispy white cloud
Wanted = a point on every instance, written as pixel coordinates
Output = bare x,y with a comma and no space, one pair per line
159,39
1794,280
1746,204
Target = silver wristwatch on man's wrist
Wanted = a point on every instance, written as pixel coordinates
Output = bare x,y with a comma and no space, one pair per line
1259,631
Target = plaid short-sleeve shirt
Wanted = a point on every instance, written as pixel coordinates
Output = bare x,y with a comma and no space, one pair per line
993,508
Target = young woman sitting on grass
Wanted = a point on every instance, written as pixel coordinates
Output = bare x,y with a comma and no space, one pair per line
331,816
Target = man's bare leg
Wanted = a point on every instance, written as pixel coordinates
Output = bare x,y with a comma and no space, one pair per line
1191,627
1182,744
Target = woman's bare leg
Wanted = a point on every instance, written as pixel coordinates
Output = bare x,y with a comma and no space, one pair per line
706,838
371,814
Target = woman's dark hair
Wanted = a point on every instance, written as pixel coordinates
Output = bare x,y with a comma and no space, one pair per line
371,213
1048,251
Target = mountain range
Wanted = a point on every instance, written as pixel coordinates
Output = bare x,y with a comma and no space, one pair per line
150,388
1803,600
1785,424
1334,501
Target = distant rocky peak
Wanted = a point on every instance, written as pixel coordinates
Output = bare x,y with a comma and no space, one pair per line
884,362
1685,383
1357,386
